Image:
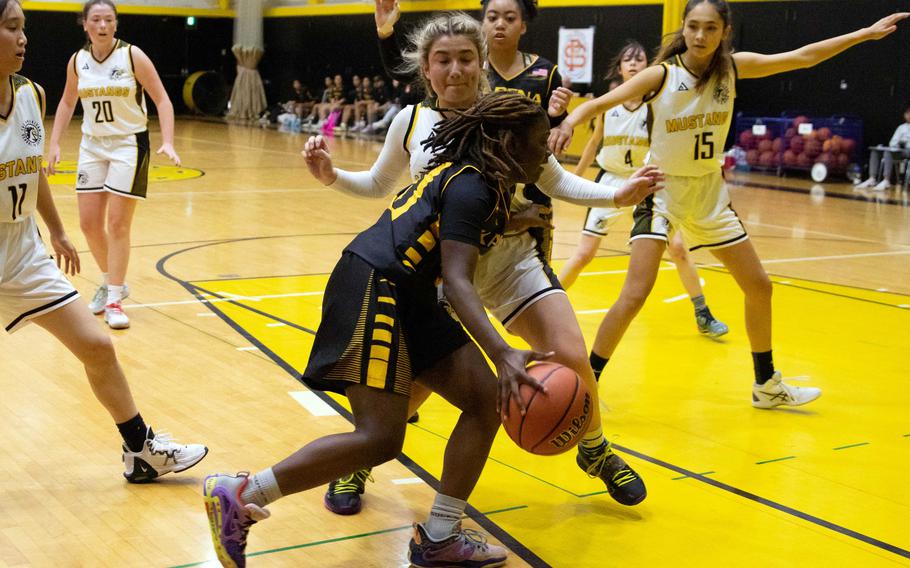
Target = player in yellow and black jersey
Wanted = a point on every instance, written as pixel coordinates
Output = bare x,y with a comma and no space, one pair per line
382,329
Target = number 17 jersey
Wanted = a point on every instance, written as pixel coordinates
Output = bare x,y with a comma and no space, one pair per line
113,102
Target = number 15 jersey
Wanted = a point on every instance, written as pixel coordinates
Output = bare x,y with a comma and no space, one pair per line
688,127
113,102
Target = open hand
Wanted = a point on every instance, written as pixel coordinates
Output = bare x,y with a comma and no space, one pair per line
511,368
319,160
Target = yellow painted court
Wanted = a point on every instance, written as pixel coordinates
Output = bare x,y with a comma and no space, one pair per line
228,271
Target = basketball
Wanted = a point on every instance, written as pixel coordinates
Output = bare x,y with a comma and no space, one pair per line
746,139
556,420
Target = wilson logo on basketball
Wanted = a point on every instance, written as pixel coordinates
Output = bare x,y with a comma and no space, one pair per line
577,427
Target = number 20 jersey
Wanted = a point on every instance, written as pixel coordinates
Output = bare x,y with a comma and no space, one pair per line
113,102
688,127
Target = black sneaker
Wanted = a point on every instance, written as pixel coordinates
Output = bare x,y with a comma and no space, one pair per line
414,418
343,495
623,484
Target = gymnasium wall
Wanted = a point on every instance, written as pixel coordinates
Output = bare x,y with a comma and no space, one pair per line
876,76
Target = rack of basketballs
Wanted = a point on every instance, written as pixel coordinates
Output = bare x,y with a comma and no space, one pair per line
784,143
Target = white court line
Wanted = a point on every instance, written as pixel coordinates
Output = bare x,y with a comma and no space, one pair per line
216,300
623,271
276,324
676,298
158,196
206,315
237,296
838,236
314,405
830,257
407,481
250,348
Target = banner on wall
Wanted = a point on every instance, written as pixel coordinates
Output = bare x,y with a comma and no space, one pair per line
576,53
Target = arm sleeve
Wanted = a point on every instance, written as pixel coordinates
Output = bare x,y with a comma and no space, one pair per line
392,60
467,209
382,178
561,184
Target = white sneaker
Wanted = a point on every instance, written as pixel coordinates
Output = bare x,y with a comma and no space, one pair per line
114,316
775,393
868,184
882,186
160,455
99,300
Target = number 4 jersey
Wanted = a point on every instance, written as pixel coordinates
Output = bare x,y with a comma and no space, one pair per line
113,102
21,146
688,127
625,140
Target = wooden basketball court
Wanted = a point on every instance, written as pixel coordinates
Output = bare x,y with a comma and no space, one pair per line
227,274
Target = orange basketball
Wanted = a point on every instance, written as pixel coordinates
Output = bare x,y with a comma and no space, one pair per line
556,420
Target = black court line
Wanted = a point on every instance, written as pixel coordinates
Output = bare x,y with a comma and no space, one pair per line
873,199
338,539
257,311
773,504
504,537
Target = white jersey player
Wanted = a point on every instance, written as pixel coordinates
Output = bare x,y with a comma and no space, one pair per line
111,77
622,132
33,289
690,94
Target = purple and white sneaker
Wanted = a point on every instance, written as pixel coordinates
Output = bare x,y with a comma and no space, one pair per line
464,547
230,518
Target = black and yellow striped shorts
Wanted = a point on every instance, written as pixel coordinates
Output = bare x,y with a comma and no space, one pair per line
376,333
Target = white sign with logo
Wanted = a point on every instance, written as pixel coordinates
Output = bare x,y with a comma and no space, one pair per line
576,54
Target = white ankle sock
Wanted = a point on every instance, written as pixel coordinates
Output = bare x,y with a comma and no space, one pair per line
444,515
262,489
114,294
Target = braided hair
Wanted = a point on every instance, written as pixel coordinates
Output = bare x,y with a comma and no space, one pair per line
485,135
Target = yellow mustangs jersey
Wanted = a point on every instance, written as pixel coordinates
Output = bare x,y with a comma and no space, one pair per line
21,146
688,127
113,102
625,141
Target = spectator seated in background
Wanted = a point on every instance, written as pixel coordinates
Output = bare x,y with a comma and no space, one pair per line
884,160
301,101
397,95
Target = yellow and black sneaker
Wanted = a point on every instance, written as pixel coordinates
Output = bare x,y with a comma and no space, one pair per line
343,495
623,484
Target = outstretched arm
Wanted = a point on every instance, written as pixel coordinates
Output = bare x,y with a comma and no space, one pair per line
754,65
379,181
387,14
638,87
560,184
